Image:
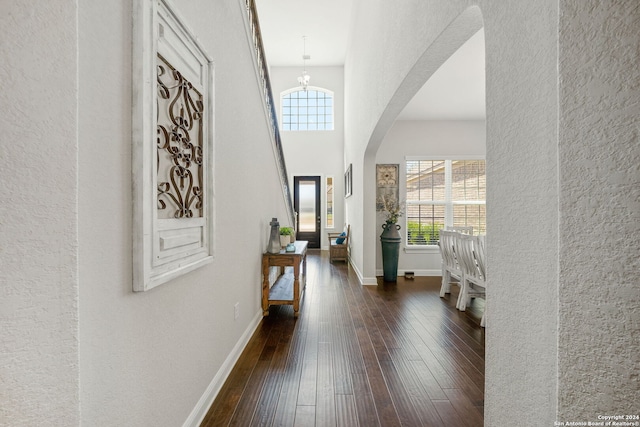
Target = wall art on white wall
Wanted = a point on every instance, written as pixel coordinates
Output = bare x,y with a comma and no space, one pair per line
386,184
172,147
348,181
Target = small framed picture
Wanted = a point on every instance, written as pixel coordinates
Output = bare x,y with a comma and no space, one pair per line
348,184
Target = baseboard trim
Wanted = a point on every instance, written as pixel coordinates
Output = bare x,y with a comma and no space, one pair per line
364,281
369,281
355,269
417,273
202,407
373,281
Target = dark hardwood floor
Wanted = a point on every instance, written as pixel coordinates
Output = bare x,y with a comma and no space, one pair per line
386,355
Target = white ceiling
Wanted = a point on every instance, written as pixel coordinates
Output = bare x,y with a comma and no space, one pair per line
456,91
325,23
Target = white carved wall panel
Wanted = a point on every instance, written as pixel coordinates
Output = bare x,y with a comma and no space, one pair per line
173,147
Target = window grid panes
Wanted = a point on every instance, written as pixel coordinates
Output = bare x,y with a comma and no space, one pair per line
307,110
442,193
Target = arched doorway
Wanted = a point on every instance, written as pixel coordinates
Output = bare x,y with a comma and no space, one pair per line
437,53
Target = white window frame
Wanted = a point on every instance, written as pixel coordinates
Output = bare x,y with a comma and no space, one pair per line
317,89
333,202
164,249
448,202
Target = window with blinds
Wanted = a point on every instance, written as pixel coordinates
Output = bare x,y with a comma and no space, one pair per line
310,109
441,193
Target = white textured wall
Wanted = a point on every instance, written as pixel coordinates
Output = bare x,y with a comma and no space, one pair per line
522,212
316,152
425,138
147,358
599,305
38,214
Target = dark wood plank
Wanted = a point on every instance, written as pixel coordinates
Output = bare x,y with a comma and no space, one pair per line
342,351
365,331
285,411
386,355
471,415
229,396
305,416
366,409
268,400
417,393
248,405
448,414
309,375
427,380
325,402
346,412
401,398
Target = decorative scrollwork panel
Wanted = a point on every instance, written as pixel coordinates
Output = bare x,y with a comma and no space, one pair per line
180,150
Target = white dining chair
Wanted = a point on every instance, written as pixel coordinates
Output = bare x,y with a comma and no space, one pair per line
470,251
451,269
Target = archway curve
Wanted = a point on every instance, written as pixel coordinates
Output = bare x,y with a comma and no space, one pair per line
449,41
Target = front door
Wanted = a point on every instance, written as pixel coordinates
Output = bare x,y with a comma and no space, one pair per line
306,201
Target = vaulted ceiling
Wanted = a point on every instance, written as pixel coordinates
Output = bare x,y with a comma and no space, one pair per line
456,91
325,23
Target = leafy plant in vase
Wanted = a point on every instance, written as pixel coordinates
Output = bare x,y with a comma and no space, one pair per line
390,208
286,236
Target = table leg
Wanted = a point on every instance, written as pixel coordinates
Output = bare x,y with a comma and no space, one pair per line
265,287
304,270
296,289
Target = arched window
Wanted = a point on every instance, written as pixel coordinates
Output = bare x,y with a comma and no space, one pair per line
310,109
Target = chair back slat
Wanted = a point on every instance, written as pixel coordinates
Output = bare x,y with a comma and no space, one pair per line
464,246
460,229
480,256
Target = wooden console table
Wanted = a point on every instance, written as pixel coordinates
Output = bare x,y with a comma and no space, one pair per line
286,289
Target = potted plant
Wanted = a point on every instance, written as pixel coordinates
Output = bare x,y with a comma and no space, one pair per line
286,236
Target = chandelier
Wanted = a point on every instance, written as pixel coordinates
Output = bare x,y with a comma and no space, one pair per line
303,80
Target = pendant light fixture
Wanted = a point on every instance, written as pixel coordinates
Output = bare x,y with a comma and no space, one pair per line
303,80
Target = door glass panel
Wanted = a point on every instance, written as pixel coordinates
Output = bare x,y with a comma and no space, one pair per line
329,202
307,194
